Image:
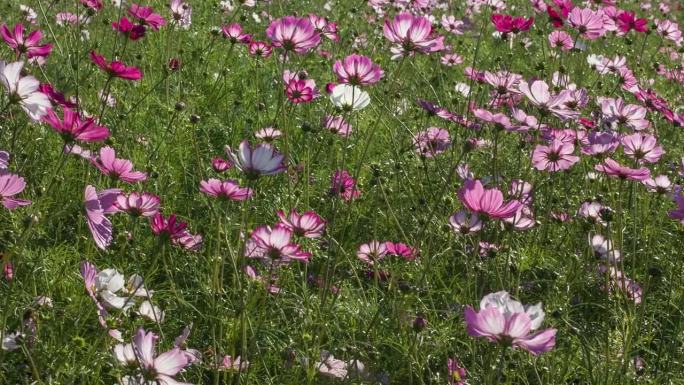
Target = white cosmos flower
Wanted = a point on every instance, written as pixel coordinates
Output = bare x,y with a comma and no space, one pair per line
24,90
153,312
349,97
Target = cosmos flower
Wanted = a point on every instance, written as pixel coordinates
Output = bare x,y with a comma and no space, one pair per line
146,16
227,189
372,252
511,24
163,367
464,222
234,34
293,34
138,204
259,49
344,186
181,14
258,160
349,98
24,90
115,69
486,201
588,23
98,205
308,224
562,40
642,147
337,125
29,45
509,323
557,156
614,169
274,244
117,168
411,34
11,185
357,70
73,128
431,142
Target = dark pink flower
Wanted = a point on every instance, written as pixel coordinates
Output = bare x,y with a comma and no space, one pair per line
132,31
220,165
116,69
627,21
93,4
56,97
511,24
146,16
401,250
259,49
234,34
29,45
344,186
72,128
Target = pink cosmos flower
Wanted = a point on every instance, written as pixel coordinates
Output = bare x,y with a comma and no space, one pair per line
11,185
227,189
614,169
89,274
451,24
293,34
274,244
456,371
324,27
557,156
175,231
299,91
268,134
262,159
464,222
669,30
57,97
308,224
146,16
357,70
132,31
234,34
259,49
619,281
678,213
411,34
116,69
138,204
220,165
538,94
599,143
498,120
431,142
587,22
181,14
117,168
93,4
486,201
629,115
642,148
627,21
661,184
451,59
72,128
372,252
562,40
163,367
559,12
344,186
337,125
506,321
400,249
510,24
522,220
29,45
98,205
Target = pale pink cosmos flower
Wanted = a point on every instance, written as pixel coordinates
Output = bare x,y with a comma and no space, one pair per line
599,143
504,82
522,220
259,49
293,34
181,14
73,128
24,90
11,185
268,134
337,125
411,34
254,276
357,70
661,184
629,115
98,205
324,27
372,252
308,224
498,120
117,168
255,161
562,40
29,45
603,248
619,281
163,367
486,201
451,59
227,189
506,321
233,32
274,245
451,24
592,212
464,222
331,367
614,169
538,94
138,204
587,22
669,30
521,190
557,156
431,142
642,147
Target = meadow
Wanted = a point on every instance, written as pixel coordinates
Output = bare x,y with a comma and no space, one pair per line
341,192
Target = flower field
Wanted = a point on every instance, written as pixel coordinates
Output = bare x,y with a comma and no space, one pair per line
341,192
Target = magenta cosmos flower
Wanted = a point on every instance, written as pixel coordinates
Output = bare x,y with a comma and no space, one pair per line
614,169
627,21
486,201
293,34
130,30
509,323
146,16
98,205
227,189
344,186
175,231
456,371
357,70
72,128
234,34
11,185
557,156
29,45
256,161
259,49
116,69
274,244
431,142
411,34
588,23
510,24
308,224
138,204
117,168
162,368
